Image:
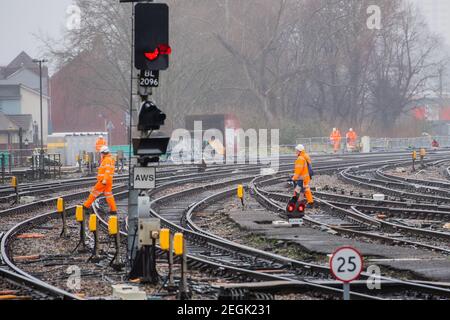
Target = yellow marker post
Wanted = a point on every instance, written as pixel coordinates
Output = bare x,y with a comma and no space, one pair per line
79,216
166,244
240,191
60,205
112,225
14,182
164,239
93,228
61,209
93,222
114,231
178,244
15,185
240,194
423,153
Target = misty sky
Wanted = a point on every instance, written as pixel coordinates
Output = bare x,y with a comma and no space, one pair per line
20,19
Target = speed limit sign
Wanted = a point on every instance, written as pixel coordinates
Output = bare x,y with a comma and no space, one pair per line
346,264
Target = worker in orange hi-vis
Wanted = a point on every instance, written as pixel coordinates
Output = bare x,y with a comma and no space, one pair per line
351,137
104,182
101,142
335,139
302,175
217,146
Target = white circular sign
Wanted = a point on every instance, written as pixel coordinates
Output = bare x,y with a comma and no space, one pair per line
346,264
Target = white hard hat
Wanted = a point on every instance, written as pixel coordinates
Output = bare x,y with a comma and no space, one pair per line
100,136
104,149
300,148
334,129
351,129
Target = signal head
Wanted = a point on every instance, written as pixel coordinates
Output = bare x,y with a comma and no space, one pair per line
291,207
150,117
301,207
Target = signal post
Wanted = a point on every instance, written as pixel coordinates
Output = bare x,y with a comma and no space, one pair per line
151,55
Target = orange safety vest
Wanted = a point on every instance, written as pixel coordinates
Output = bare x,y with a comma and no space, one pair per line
301,171
218,146
335,136
106,169
351,136
99,144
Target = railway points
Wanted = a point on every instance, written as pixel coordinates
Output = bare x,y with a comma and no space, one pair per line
233,249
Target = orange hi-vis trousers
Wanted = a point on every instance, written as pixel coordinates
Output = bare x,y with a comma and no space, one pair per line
306,189
336,145
98,189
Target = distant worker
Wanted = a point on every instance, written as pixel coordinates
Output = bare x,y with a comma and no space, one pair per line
302,176
217,146
335,139
435,144
101,142
352,138
104,182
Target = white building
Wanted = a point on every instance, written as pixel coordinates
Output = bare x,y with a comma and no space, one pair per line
19,94
21,100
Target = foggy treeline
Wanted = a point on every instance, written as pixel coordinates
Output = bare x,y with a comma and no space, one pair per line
302,65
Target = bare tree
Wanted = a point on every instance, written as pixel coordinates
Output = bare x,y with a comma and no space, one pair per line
313,64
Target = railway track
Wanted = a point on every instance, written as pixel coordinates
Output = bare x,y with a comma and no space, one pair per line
171,220
365,213
21,219
217,255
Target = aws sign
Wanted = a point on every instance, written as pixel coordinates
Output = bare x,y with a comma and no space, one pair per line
144,177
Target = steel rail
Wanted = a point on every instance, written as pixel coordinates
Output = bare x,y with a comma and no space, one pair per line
357,217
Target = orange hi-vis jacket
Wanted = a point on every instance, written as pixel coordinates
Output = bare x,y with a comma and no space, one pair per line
301,171
218,146
335,136
99,144
352,136
106,169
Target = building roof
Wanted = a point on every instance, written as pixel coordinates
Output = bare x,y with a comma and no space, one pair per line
6,124
23,121
23,60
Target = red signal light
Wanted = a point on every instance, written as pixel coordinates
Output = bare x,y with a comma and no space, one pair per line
163,49
301,207
291,208
152,55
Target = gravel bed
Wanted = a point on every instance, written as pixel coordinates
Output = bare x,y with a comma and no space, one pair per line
428,173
